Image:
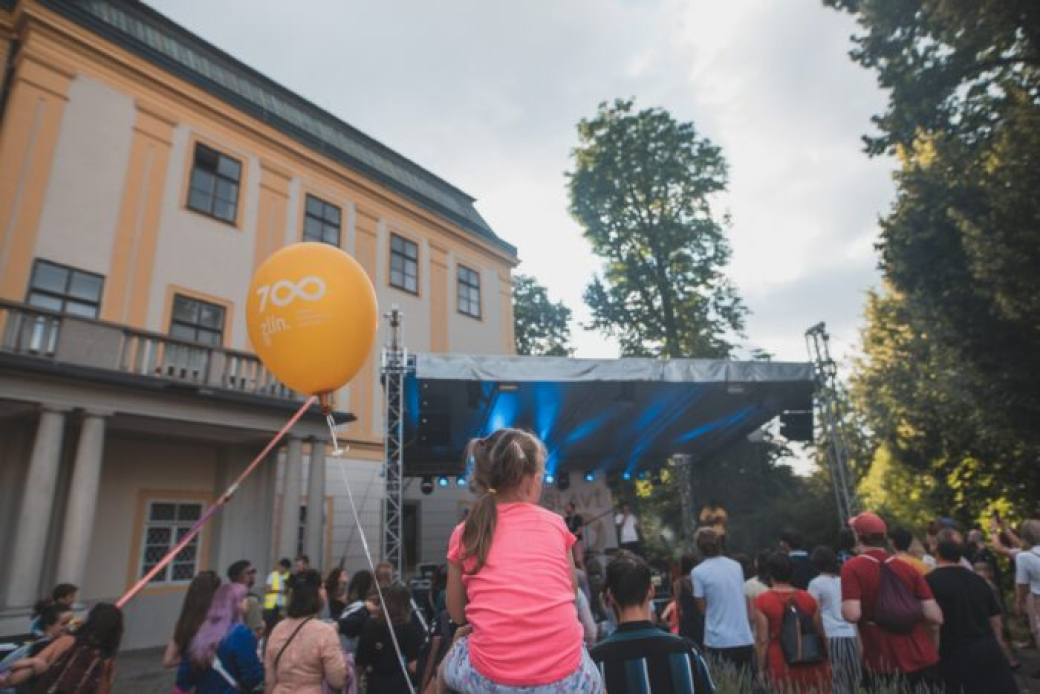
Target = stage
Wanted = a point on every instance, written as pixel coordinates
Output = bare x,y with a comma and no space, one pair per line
596,416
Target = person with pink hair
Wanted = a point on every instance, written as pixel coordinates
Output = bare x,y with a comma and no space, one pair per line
222,659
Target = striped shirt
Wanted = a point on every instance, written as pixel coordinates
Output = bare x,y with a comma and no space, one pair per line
638,658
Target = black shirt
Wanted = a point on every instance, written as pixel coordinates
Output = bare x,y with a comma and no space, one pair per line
574,524
638,658
376,651
803,569
967,604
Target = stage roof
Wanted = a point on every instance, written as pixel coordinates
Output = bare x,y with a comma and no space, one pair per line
594,414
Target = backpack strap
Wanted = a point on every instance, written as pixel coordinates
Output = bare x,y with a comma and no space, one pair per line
218,665
285,645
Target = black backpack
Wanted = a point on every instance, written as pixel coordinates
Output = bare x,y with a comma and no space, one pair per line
799,639
77,671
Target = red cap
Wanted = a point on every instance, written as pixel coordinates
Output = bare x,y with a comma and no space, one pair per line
867,523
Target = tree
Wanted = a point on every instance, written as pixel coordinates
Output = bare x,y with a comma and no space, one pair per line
541,325
642,188
948,383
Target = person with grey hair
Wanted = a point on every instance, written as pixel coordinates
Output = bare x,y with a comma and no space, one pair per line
971,660
1027,575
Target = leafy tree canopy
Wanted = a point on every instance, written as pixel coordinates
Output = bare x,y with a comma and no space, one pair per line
541,326
948,383
642,188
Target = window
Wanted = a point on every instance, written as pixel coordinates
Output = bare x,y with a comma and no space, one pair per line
404,264
197,321
469,292
166,524
214,184
65,289
321,222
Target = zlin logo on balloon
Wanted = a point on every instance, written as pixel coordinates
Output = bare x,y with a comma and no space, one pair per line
283,293
312,315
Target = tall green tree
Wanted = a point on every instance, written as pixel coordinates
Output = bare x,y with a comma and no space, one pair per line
948,382
642,188
541,326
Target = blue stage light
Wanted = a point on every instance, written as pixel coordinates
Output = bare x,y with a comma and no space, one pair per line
442,481
626,475
460,481
550,478
643,474
590,476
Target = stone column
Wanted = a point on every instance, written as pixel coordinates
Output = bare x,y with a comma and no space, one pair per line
83,493
30,534
316,503
292,482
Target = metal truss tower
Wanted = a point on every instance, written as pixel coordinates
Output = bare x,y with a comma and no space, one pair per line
832,421
682,465
396,364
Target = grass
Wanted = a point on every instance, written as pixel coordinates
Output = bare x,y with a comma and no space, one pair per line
728,680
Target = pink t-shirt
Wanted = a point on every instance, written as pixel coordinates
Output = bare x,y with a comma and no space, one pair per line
521,603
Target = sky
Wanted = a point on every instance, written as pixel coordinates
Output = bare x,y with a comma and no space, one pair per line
487,94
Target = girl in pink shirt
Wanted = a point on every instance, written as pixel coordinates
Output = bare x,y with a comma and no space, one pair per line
511,577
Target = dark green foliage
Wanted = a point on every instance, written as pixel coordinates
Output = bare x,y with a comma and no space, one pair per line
642,189
949,384
762,495
541,326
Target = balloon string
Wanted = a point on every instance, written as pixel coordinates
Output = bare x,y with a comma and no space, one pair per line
224,498
336,450
372,566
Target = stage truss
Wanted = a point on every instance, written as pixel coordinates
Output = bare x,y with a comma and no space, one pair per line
396,364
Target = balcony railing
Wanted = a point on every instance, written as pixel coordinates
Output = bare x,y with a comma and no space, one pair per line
67,339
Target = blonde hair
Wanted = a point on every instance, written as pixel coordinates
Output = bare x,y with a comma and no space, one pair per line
501,461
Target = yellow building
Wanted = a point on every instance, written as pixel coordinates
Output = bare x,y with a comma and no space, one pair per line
144,174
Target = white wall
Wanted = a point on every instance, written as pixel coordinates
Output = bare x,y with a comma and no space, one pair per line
199,253
368,487
131,465
81,208
467,335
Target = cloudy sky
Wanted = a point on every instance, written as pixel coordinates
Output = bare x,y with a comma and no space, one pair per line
486,94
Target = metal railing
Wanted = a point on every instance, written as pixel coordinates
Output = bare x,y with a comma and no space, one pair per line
68,339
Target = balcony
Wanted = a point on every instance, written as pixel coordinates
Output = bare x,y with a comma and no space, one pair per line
63,339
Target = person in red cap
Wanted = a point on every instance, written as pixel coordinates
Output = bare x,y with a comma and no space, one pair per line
887,654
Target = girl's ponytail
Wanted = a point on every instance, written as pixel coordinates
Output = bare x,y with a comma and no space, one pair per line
500,463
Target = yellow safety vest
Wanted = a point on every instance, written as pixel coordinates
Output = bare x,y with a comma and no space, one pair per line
275,596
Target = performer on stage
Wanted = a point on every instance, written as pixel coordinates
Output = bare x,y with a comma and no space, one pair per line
715,517
628,530
576,524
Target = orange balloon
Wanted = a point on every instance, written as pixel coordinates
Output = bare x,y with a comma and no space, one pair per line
312,317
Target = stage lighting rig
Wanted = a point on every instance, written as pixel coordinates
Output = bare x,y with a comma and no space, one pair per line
442,481
626,475
550,478
590,476
426,486
460,481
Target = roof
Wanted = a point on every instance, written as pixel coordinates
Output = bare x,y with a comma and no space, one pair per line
144,32
621,415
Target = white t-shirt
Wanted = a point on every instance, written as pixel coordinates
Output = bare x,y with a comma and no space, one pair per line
1027,569
628,527
826,590
753,587
720,581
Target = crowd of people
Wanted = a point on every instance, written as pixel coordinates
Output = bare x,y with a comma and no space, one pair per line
518,606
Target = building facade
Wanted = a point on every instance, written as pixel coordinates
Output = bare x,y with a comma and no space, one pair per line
144,175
